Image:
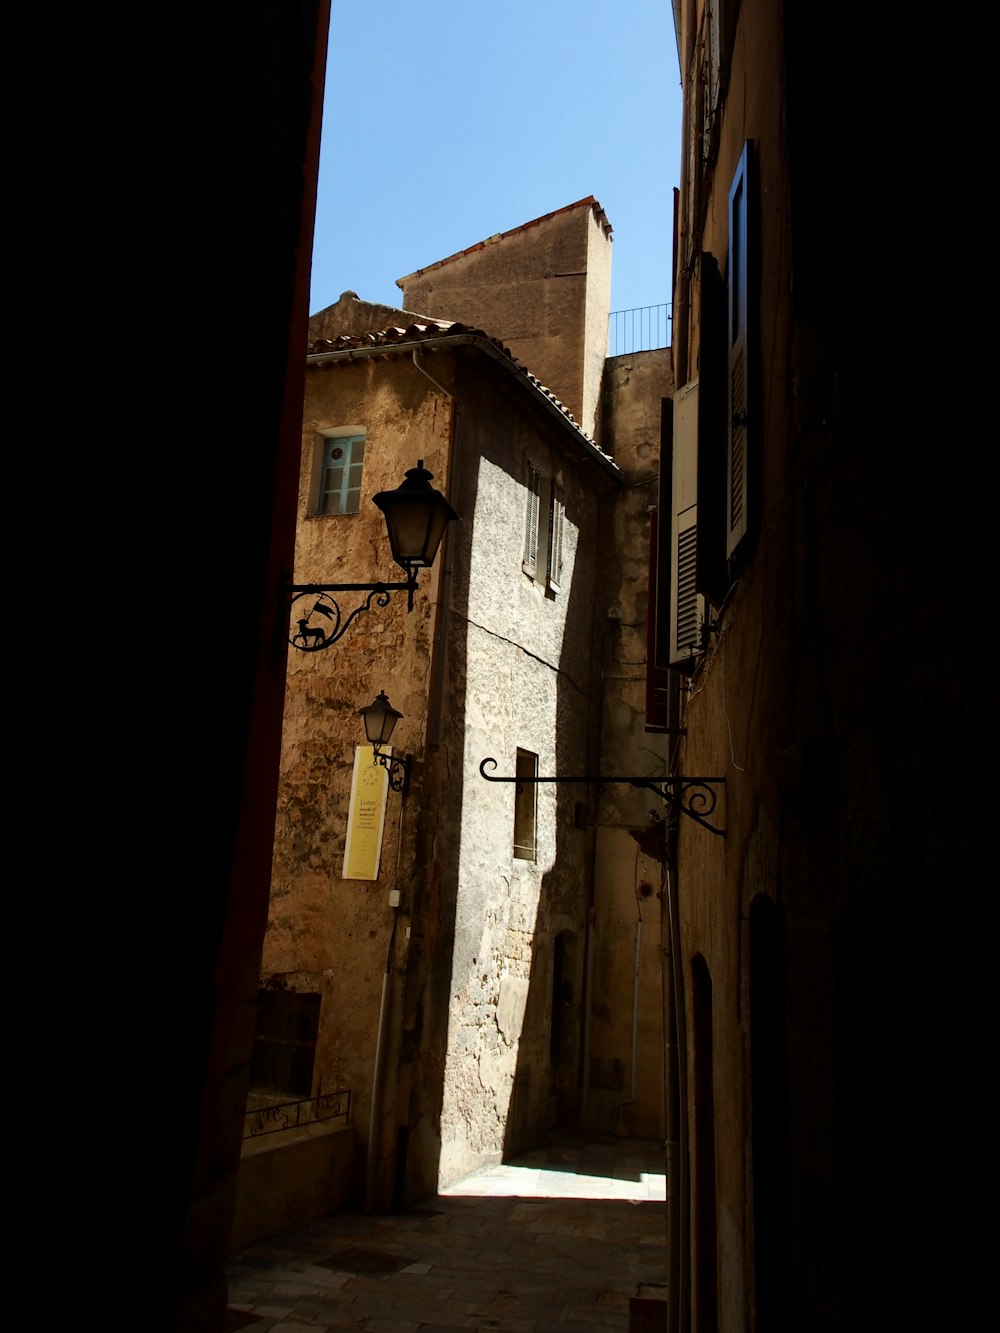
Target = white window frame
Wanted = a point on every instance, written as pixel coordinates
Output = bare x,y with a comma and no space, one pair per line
335,502
543,559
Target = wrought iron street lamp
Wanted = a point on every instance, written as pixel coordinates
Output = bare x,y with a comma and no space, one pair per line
416,516
380,720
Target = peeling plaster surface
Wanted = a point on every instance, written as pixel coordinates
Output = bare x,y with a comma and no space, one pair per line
544,289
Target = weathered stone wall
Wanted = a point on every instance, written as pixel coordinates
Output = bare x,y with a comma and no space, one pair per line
351,314
625,1050
827,699
543,289
489,661
518,675
327,934
291,1178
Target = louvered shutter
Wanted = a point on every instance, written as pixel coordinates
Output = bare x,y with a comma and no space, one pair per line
664,509
686,606
712,566
657,677
530,561
712,95
557,510
738,434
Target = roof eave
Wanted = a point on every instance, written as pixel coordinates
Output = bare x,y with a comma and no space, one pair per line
597,455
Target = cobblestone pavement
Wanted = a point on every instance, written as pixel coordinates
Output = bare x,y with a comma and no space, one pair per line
559,1239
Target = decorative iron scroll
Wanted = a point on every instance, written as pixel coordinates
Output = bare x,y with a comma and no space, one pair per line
694,797
398,770
331,624
293,1115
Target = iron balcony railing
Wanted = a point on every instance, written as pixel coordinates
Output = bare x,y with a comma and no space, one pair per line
643,329
293,1115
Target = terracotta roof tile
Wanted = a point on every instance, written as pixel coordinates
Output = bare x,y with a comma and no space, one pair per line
432,329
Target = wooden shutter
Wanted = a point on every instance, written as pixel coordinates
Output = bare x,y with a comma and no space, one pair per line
664,509
712,574
739,441
530,561
657,677
557,510
687,607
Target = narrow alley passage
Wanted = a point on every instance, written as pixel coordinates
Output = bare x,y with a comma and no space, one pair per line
560,1239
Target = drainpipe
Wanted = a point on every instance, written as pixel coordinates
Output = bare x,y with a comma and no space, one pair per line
673,1090
678,1186
436,691
635,1002
434,717
678,1279
427,375
626,1101
378,1078
433,725
588,976
378,1074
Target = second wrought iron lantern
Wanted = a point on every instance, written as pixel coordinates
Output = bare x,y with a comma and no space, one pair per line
380,720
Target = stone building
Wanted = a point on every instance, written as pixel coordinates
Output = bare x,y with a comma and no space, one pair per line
545,289
804,592
501,972
826,947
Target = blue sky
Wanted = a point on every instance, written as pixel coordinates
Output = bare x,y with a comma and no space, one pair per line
447,121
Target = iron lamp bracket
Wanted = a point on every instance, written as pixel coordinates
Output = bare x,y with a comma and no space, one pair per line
331,623
398,769
694,797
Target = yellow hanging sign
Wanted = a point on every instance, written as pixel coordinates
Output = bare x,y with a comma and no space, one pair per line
366,818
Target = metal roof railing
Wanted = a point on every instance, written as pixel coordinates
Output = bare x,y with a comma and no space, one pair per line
643,329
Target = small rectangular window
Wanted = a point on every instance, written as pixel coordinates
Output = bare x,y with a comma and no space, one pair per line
530,562
284,1045
557,511
341,465
543,530
524,805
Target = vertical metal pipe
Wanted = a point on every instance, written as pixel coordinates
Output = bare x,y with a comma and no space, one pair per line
672,1094
378,1076
635,1002
378,1070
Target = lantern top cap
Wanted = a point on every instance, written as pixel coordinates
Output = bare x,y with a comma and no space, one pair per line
380,719
417,479
416,516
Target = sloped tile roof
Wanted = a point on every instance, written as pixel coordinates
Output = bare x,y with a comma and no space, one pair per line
432,330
